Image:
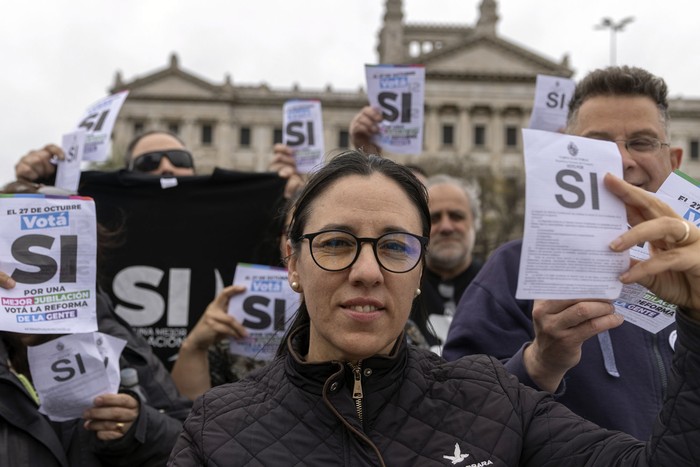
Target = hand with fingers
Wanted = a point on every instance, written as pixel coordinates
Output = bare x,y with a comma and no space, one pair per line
6,282
191,370
363,127
561,327
37,164
285,165
111,416
672,271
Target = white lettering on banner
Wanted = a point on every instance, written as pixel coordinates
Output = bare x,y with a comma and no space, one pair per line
178,297
126,288
147,306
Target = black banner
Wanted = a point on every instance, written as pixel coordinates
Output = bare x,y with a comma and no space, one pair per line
172,249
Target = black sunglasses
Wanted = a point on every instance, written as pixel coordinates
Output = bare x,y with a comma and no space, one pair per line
151,160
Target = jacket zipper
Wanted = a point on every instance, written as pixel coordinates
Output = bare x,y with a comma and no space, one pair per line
357,394
660,366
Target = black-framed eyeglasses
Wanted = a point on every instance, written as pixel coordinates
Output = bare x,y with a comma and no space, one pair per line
642,145
335,250
150,161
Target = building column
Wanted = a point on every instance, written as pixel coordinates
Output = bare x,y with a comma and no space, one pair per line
431,132
464,133
496,139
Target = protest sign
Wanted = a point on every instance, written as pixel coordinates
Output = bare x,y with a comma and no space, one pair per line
551,106
48,246
173,254
98,122
303,133
570,219
68,170
398,92
265,309
70,371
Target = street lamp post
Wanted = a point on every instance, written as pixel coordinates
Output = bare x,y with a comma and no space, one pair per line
607,23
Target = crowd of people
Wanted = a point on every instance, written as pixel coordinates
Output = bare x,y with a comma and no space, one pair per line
405,348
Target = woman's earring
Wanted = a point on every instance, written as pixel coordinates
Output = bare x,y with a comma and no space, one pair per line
417,292
296,287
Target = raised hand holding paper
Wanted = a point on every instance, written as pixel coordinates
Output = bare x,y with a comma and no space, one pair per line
70,371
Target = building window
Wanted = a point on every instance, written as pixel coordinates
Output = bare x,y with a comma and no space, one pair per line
174,128
511,136
207,134
277,135
245,137
479,135
694,150
138,128
343,139
448,135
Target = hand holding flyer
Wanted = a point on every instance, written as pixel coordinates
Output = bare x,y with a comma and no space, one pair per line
70,371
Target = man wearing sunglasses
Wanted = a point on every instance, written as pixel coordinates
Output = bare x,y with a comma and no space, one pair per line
154,152
611,372
159,153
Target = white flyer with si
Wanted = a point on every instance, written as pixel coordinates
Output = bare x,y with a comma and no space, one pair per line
68,170
303,133
398,93
70,371
551,105
98,122
48,246
266,309
570,219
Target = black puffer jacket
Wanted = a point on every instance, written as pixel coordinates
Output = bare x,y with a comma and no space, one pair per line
419,410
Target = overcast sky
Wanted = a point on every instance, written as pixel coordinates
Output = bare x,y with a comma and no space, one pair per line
58,57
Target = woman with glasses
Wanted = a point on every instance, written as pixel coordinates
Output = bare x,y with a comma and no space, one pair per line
346,389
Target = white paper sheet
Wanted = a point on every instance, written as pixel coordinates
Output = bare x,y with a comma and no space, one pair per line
551,105
98,122
570,219
70,371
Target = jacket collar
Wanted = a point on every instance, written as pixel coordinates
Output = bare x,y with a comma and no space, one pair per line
387,370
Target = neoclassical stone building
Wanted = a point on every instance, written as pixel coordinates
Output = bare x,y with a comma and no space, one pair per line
479,93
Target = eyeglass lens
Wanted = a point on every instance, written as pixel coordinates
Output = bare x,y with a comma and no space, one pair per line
336,250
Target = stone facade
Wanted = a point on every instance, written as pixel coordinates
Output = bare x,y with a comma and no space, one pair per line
479,93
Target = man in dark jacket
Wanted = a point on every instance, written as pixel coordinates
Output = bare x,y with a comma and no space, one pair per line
455,216
618,378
